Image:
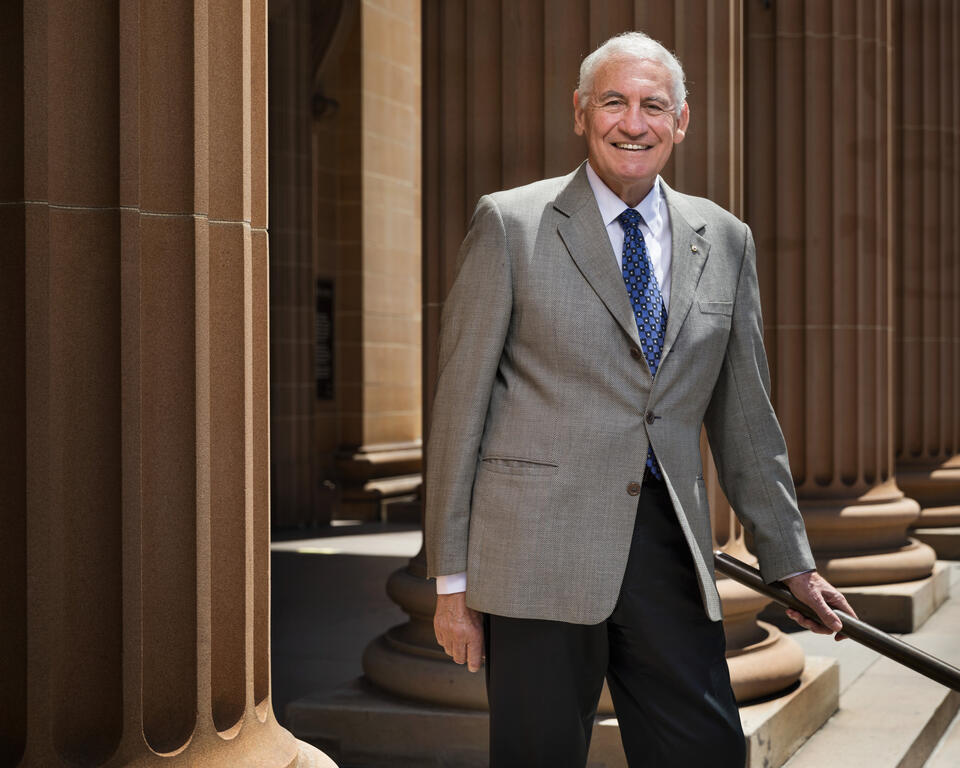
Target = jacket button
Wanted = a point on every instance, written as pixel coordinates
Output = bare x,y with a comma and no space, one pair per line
636,354
650,417
633,489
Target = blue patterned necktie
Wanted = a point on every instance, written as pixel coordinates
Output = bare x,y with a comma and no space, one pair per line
646,299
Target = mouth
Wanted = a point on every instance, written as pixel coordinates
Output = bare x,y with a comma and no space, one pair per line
631,147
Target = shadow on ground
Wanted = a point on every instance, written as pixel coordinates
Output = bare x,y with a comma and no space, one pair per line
325,609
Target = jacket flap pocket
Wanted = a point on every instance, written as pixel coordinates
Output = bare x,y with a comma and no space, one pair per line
514,465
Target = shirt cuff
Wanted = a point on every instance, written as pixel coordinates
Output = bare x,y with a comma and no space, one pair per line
791,575
451,584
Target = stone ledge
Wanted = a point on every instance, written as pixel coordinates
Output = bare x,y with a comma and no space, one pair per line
946,541
902,607
361,727
774,729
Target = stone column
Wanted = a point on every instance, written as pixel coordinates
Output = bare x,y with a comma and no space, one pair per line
497,113
708,38
136,540
820,200
927,268
377,260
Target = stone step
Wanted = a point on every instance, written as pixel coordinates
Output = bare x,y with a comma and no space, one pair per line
947,752
889,716
946,541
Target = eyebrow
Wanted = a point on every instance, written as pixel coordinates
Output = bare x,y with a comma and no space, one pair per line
617,95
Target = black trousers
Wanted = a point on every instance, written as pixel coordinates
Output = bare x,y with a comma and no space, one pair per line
662,657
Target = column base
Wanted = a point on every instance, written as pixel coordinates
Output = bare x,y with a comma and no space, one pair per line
946,541
936,489
766,667
309,756
372,477
913,560
407,662
412,672
863,540
902,607
762,660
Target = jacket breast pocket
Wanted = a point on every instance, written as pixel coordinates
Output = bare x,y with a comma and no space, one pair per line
514,465
717,314
716,307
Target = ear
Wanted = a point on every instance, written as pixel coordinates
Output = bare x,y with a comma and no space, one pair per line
578,116
682,123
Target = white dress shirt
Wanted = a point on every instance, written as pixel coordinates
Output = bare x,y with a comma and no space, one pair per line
656,234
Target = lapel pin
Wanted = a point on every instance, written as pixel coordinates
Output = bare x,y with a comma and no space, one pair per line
693,248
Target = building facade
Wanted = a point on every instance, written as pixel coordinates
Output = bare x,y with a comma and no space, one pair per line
154,341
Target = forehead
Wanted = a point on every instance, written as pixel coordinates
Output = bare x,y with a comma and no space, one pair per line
627,75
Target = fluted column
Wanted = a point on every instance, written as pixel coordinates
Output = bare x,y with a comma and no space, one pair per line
497,113
378,258
819,197
708,38
135,229
927,265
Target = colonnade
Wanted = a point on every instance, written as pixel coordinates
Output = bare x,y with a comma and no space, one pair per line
135,547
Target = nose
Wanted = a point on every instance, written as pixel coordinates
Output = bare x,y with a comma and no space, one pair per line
633,121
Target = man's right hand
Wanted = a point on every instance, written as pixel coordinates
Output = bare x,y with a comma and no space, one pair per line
459,630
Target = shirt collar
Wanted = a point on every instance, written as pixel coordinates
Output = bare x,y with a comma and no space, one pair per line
612,206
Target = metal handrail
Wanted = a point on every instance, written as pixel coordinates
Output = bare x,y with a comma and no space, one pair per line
854,628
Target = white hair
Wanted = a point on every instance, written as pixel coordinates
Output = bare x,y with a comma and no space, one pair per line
632,45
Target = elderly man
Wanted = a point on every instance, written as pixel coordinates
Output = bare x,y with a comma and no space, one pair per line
596,322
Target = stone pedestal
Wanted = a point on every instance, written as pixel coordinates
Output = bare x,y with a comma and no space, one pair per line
820,199
376,476
137,537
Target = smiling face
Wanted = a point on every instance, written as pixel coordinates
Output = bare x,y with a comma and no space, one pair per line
630,123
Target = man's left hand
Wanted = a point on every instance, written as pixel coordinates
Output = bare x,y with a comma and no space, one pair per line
814,590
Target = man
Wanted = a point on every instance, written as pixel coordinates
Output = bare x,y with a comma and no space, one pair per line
596,322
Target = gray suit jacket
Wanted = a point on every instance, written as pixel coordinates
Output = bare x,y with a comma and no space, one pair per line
544,407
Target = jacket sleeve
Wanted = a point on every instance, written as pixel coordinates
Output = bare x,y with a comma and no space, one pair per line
746,440
473,328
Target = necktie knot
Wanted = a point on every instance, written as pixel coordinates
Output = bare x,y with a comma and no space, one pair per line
630,218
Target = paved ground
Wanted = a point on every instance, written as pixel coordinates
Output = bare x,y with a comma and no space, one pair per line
329,601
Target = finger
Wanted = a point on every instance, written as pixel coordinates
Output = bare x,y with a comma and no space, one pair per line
474,653
810,624
829,619
458,649
838,601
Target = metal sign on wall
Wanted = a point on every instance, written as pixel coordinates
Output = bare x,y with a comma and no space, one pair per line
323,359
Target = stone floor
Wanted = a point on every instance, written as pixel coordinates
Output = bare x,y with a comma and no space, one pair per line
329,601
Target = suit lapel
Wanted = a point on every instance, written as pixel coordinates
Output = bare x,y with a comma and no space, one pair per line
585,237
690,251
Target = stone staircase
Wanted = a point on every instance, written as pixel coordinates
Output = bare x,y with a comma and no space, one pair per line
887,716
890,716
